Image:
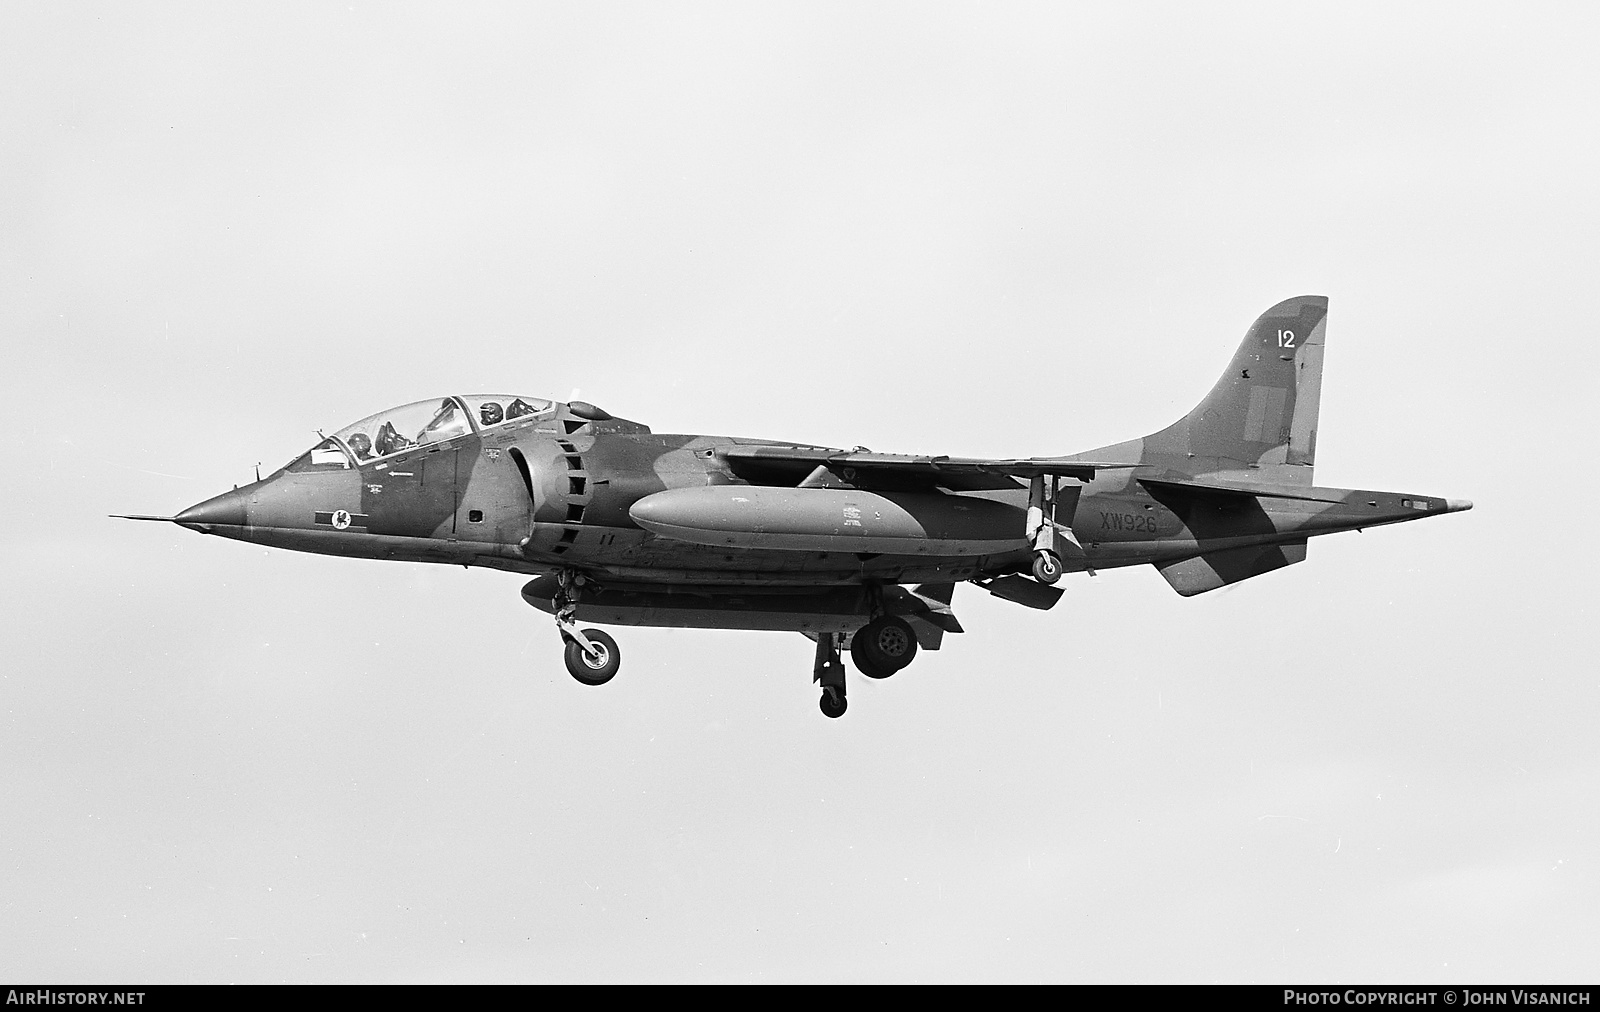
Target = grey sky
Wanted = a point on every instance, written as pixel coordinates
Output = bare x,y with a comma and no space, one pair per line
980,229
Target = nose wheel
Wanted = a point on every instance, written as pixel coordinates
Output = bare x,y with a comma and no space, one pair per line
594,663
591,656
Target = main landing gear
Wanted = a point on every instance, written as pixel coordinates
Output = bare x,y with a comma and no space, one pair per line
592,656
883,646
879,649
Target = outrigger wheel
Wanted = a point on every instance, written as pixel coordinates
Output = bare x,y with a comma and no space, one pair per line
833,702
597,665
1047,567
883,646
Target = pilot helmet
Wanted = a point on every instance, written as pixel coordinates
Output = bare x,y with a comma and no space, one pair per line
491,413
361,445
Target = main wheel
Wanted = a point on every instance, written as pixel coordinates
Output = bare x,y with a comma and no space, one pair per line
866,666
1047,567
865,662
598,669
833,704
883,646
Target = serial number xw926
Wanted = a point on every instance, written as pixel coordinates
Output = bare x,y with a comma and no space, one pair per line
1136,522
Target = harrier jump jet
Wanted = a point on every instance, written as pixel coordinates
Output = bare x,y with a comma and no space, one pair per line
859,551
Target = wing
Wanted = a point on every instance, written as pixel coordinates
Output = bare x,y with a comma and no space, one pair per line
795,465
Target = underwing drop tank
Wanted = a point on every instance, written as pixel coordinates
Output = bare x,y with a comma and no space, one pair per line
833,520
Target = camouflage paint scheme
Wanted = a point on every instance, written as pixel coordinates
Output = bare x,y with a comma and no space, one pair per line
723,532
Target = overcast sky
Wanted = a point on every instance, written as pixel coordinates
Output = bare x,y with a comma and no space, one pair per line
965,229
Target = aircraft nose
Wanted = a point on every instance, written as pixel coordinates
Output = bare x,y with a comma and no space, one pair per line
225,510
1457,505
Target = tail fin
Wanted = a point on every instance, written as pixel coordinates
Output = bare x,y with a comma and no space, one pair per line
1259,423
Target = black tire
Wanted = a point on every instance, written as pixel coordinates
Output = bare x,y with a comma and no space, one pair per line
833,704
864,661
1047,567
593,670
883,646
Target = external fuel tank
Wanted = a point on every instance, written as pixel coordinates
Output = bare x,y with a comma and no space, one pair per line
834,520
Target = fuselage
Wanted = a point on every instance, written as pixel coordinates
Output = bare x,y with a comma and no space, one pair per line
859,551
557,490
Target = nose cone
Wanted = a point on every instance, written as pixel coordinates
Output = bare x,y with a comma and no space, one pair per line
226,510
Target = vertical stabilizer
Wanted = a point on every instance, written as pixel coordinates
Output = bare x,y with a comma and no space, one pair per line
1259,422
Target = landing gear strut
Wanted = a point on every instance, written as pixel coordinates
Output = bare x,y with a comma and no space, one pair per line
829,671
1043,527
591,656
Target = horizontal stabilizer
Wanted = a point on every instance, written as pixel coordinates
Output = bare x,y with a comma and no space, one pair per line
1231,488
1200,573
1023,591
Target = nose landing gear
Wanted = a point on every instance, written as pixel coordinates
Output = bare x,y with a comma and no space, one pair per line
592,657
594,660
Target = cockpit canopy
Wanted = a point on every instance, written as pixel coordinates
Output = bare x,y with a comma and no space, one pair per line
419,424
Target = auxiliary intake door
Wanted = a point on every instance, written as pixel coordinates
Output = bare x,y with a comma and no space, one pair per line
496,494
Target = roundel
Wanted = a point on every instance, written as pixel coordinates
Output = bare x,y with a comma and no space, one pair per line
341,519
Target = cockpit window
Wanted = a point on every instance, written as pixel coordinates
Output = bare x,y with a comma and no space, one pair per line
405,428
425,422
447,422
496,409
327,455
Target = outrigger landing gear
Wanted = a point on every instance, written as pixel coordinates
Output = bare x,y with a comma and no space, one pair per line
1043,527
592,656
829,671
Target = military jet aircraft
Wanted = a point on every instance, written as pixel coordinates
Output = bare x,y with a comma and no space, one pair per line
859,551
